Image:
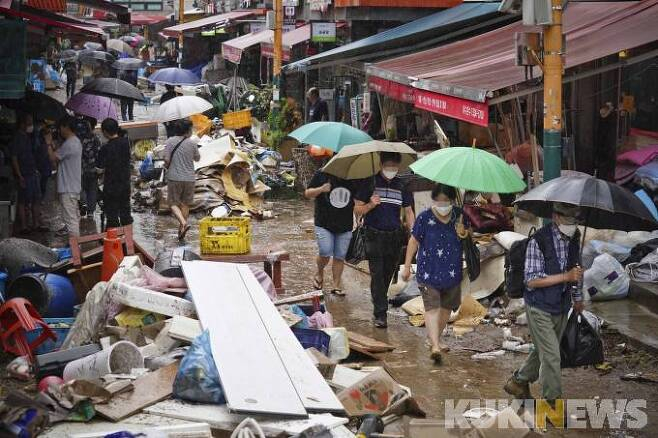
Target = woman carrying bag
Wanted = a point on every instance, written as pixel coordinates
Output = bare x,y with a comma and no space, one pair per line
437,239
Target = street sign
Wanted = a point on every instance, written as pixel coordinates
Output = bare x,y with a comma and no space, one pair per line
323,31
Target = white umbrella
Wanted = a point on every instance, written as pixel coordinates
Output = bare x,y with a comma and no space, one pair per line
182,107
120,46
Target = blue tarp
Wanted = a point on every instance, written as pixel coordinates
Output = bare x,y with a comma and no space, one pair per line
410,33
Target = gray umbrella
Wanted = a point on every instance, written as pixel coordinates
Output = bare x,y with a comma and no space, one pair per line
128,64
90,45
604,205
92,56
68,55
112,88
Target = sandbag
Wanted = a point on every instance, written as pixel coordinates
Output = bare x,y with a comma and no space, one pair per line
606,279
197,379
580,344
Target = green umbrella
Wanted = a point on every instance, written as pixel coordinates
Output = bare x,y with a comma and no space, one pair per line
469,168
329,135
362,160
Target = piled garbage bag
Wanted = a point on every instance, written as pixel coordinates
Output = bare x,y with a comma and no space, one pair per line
606,279
197,379
646,270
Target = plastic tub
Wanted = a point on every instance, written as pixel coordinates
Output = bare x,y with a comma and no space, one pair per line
313,338
59,326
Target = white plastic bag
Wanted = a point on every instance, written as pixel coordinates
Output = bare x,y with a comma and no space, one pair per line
339,344
606,279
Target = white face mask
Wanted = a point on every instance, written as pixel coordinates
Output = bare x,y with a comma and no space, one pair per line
568,230
29,129
443,208
389,172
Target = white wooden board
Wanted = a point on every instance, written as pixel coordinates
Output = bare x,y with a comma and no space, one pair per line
145,299
219,417
253,377
312,388
184,329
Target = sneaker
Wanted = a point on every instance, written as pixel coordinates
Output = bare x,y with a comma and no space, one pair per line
519,390
380,323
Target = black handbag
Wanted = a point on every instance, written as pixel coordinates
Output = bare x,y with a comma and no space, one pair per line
356,252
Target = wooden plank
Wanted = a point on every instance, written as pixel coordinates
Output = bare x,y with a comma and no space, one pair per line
184,328
253,376
299,298
219,417
145,299
312,388
370,344
149,389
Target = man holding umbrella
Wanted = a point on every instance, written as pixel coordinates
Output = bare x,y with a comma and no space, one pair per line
552,275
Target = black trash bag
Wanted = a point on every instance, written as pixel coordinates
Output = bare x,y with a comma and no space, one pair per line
580,344
472,256
356,252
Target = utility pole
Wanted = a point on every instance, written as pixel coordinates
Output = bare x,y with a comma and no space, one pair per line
181,37
553,66
278,42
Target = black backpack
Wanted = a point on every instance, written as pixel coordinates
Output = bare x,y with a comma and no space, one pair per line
515,267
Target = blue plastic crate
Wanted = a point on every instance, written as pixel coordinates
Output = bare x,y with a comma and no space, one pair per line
312,338
59,326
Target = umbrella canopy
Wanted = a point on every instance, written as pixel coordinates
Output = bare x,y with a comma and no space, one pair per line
92,56
120,46
469,168
98,107
113,88
133,40
359,161
329,135
128,64
90,45
40,105
182,107
604,205
68,55
174,76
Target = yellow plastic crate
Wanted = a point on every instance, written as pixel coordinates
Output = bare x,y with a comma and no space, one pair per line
237,119
231,235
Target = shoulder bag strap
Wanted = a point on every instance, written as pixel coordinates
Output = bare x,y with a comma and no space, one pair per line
171,157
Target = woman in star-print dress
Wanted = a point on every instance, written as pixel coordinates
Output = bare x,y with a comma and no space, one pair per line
436,241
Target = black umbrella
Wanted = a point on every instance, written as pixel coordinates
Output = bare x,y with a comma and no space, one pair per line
68,55
91,56
40,105
113,88
604,205
128,64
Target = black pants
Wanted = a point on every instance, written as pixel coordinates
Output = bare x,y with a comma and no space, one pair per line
383,252
117,210
70,87
127,109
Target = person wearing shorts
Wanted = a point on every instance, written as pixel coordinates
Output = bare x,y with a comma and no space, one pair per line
436,243
334,220
180,154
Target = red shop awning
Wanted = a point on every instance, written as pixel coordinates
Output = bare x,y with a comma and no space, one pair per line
40,17
289,40
207,23
146,20
48,5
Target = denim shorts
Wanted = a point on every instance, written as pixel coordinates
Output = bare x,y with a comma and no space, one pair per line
332,244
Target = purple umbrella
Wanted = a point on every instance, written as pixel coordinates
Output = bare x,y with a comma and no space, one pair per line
98,107
174,76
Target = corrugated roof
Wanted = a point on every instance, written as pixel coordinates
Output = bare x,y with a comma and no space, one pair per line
475,67
207,22
412,33
232,49
289,40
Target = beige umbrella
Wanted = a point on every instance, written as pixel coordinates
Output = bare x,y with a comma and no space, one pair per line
358,161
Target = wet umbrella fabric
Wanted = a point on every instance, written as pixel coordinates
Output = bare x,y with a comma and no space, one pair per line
362,160
603,205
92,56
98,107
174,76
120,46
90,45
182,107
128,64
68,55
113,88
40,105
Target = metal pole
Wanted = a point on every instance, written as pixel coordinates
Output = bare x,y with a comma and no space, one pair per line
553,65
181,37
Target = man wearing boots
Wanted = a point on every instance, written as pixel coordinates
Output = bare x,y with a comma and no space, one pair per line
552,278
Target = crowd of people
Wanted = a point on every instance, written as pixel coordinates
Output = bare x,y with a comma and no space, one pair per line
434,239
81,162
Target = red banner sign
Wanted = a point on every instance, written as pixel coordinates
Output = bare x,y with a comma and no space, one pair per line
455,107
267,50
394,90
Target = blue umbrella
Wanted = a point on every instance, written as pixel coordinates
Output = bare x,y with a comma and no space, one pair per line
174,76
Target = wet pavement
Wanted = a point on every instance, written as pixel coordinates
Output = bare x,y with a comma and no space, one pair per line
460,377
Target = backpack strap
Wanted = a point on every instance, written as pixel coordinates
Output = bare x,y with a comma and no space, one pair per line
173,151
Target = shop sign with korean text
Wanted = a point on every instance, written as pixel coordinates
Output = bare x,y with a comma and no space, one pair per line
323,31
455,107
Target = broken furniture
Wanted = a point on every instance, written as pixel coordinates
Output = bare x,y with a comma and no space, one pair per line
271,263
17,317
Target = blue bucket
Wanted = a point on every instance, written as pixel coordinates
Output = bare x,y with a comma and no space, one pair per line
52,295
3,284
